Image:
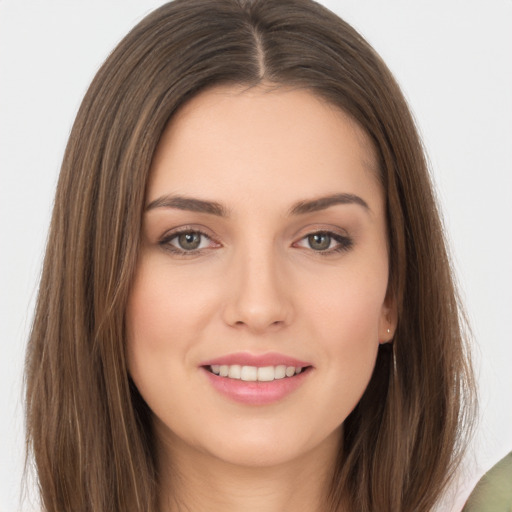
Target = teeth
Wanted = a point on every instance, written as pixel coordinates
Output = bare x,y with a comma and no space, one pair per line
254,373
249,373
266,374
235,371
280,372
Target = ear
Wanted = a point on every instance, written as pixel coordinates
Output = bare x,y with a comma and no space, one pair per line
388,319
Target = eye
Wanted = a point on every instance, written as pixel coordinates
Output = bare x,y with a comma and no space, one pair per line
189,241
325,242
319,241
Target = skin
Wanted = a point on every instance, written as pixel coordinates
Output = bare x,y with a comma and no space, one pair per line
257,284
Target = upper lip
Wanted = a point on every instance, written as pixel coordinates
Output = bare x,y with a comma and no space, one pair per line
259,360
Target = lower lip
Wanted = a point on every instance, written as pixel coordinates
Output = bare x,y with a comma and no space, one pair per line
256,393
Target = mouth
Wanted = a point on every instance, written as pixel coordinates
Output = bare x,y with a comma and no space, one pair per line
256,379
256,373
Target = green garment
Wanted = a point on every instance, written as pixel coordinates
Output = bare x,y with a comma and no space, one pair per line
493,493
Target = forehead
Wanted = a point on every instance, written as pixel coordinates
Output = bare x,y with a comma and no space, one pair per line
233,137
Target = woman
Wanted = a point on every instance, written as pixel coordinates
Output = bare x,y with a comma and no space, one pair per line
246,301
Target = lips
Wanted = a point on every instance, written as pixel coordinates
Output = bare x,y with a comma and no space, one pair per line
258,360
256,379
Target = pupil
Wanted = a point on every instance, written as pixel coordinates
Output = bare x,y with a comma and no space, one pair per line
189,241
319,241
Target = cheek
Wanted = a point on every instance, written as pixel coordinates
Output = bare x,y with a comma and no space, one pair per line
346,315
164,309
149,313
164,317
157,317
343,319
351,338
350,304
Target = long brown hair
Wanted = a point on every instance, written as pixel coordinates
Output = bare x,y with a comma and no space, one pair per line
87,427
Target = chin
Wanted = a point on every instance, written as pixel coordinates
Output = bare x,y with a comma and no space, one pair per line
265,448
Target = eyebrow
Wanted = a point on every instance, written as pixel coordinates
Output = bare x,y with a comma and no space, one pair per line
323,203
188,203
214,208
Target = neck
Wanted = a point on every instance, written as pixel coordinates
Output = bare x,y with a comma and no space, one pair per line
197,481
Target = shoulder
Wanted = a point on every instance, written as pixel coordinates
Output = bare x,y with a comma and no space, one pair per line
493,492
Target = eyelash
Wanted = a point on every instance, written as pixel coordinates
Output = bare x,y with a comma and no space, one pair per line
165,242
344,243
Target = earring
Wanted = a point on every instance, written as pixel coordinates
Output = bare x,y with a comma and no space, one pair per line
388,331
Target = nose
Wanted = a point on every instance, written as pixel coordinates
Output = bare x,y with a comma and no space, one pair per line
259,293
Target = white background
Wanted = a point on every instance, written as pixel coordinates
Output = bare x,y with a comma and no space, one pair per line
453,60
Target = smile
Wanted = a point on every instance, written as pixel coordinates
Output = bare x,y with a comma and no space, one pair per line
254,373
256,380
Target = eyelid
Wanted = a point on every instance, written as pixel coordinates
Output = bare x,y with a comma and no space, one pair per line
344,241
168,236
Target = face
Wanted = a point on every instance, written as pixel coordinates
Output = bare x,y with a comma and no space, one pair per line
260,295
